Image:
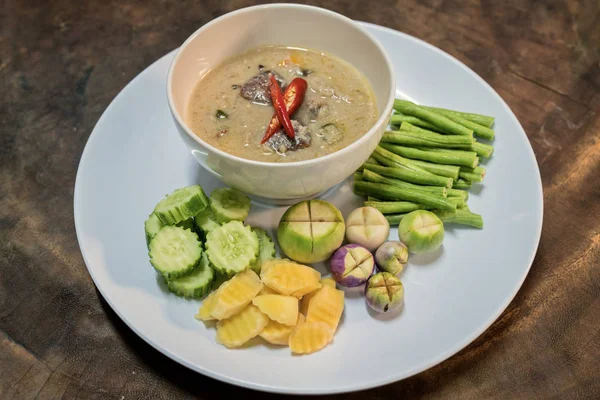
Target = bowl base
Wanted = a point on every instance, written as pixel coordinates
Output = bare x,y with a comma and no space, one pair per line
269,202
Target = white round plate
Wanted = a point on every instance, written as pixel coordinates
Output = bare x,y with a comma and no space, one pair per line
134,157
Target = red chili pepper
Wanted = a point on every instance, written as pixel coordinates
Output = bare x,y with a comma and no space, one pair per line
292,97
280,109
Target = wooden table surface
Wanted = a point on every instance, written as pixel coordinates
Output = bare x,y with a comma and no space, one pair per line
62,62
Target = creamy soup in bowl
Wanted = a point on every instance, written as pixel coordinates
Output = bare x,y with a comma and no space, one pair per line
232,107
226,117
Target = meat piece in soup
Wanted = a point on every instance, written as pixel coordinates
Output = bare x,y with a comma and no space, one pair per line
256,89
231,107
281,143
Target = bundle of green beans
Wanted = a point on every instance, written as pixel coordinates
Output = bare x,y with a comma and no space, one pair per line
428,161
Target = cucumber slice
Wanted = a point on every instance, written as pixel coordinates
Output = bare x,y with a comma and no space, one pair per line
181,204
232,247
187,224
228,204
152,225
195,284
205,222
266,249
174,251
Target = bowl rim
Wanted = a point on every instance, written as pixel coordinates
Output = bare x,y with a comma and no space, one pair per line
386,109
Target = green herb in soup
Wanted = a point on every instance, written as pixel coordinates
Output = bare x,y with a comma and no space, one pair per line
282,104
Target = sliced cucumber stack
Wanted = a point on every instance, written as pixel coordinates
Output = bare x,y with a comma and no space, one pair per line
152,226
228,204
266,249
181,204
195,284
232,247
197,243
174,251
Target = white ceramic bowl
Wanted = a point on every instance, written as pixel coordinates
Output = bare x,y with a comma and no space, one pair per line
289,25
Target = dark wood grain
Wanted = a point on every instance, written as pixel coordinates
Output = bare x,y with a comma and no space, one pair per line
62,62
